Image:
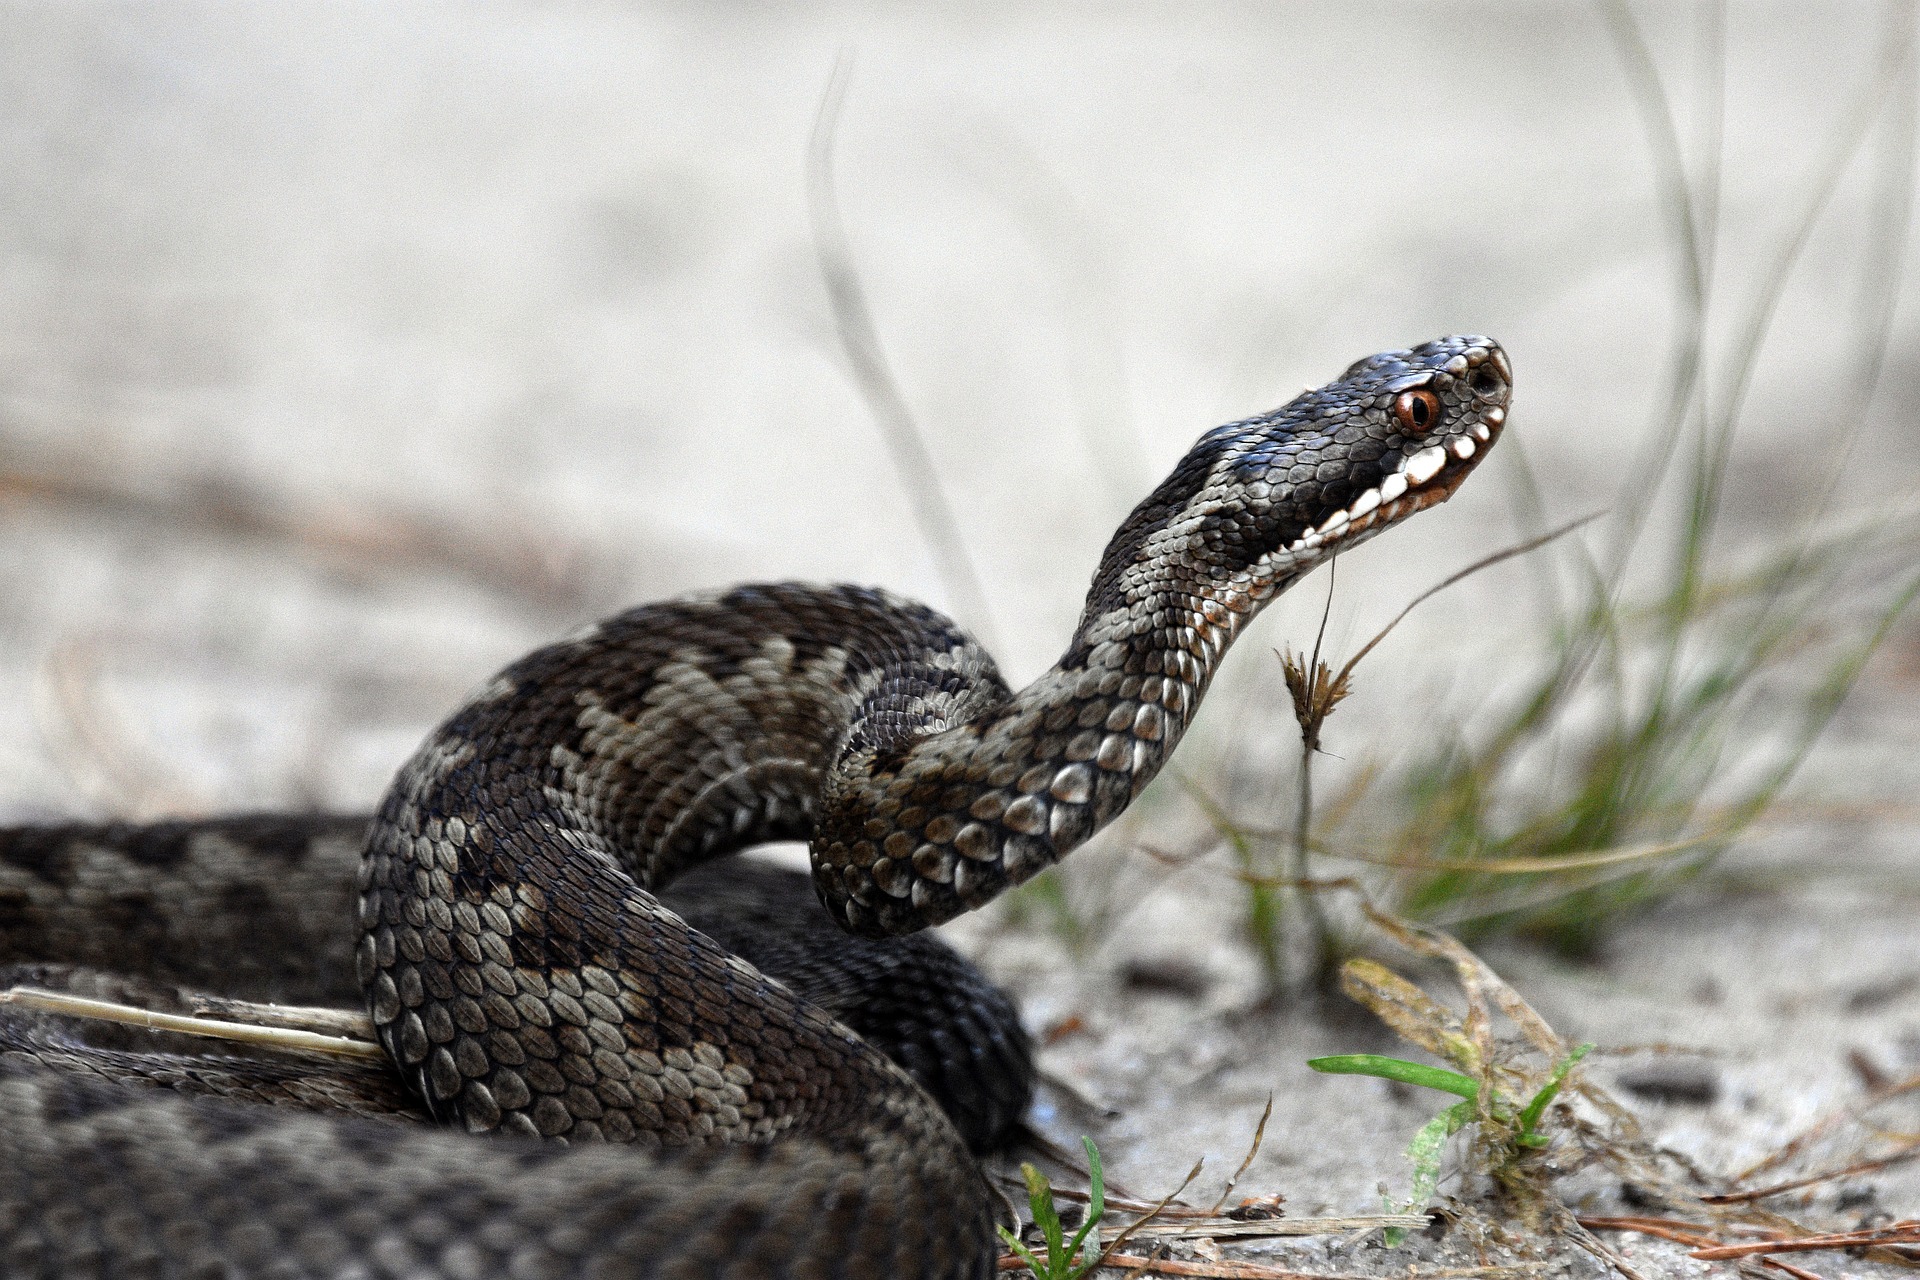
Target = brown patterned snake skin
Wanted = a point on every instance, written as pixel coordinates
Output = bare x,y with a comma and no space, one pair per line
527,980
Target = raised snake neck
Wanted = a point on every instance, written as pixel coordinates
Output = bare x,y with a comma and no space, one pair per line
524,977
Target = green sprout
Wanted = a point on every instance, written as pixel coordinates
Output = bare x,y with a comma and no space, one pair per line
1059,1262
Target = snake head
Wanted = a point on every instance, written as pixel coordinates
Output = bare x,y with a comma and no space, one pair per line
1395,434
1259,502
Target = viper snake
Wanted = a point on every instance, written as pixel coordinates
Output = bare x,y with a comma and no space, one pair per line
532,977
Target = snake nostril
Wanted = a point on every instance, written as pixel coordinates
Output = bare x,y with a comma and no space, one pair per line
1487,382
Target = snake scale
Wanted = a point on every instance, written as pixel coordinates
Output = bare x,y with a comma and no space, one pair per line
527,972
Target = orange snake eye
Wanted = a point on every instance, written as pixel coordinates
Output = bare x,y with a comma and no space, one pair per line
1417,410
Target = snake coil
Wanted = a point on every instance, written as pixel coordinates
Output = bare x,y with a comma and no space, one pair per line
526,977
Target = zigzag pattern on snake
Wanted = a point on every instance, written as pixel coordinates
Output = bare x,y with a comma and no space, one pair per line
529,980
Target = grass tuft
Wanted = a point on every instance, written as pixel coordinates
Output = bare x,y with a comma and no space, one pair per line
1674,717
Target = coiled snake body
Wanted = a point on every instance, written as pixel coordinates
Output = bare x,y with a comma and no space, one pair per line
525,978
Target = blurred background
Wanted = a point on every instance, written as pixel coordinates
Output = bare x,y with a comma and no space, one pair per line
349,351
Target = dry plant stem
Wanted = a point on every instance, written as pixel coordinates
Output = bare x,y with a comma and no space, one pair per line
1117,1196
1467,1041
1319,703
1825,1125
348,1024
1168,1221
1126,1232
1585,860
1129,1204
1147,1264
1691,1234
1317,691
1278,1228
1911,1152
282,1037
1686,1233
1259,1135
1774,1264
1484,988
1209,1270
1694,260
527,564
1073,1089
97,750
1899,1233
1487,562
1230,1270
1598,1248
860,341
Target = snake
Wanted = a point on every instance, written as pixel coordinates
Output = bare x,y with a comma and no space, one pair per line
583,1080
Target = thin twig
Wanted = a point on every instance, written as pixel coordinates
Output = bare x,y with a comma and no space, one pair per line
1780,1188
1540,865
1259,1134
1898,1233
1117,1196
1179,1228
1599,1248
1691,1234
1487,562
1127,1231
1797,1273
1824,1125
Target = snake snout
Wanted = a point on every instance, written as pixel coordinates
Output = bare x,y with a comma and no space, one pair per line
1435,410
1450,409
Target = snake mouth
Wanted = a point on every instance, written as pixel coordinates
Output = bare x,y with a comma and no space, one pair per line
1424,478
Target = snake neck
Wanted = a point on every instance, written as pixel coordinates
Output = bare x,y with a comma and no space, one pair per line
919,824
914,830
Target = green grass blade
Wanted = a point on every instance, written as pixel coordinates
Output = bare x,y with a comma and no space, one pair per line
1373,1064
1424,1153
1021,1251
1045,1216
1096,1203
1531,1113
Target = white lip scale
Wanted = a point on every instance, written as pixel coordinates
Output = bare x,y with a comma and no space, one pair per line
1413,473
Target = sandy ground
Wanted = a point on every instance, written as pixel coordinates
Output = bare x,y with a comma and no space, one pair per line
346,353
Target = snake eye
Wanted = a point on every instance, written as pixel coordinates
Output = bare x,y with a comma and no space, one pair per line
1417,410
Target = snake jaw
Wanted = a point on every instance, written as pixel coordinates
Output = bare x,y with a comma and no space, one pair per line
1468,382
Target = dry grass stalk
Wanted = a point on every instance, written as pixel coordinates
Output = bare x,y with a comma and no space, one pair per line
286,1029
860,342
1230,1270
522,560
